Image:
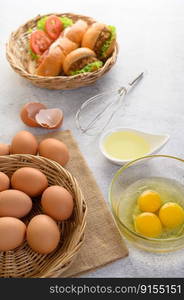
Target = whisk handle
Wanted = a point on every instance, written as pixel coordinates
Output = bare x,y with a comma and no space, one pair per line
131,85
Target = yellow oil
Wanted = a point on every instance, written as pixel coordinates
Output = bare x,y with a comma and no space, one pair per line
126,145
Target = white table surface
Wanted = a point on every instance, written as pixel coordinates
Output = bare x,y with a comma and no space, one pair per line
151,37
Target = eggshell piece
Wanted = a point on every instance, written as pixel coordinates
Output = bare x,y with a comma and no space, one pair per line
43,235
57,202
24,142
49,118
29,111
4,182
4,149
54,150
29,180
12,233
14,203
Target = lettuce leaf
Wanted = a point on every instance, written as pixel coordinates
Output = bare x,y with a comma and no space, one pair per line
30,30
33,55
65,20
107,43
88,68
41,23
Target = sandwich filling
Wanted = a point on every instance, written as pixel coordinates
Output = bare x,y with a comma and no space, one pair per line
107,35
83,65
103,36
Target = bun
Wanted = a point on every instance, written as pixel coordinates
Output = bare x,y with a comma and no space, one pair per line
92,34
76,32
51,63
75,56
65,44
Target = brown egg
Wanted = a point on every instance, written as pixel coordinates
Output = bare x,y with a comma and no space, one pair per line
12,233
14,203
57,202
4,182
43,235
4,149
24,143
29,111
30,181
55,150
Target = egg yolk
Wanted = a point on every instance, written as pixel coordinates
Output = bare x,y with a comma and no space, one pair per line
148,224
149,201
171,215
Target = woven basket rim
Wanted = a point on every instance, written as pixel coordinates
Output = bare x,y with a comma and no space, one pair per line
58,266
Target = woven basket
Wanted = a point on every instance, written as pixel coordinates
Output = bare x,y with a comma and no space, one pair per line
23,261
19,59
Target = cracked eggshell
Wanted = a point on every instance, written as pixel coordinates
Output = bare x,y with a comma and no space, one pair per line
50,118
29,111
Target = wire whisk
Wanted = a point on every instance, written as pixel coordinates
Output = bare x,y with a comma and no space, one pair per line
98,111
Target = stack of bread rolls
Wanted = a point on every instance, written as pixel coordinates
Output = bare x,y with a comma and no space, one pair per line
79,48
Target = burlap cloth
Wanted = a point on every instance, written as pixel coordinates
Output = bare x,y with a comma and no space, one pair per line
103,243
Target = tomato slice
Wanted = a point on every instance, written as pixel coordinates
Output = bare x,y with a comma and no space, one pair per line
39,42
53,27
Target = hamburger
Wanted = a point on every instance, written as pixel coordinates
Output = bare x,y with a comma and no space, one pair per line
81,60
101,39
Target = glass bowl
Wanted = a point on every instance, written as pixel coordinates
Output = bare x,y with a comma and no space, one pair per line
164,166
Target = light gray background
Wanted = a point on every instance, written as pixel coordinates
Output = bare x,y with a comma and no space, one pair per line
151,37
